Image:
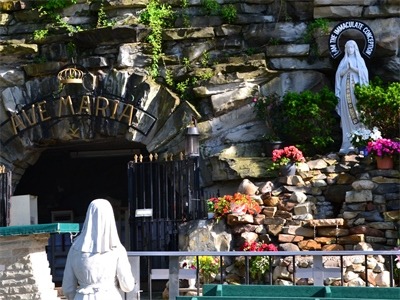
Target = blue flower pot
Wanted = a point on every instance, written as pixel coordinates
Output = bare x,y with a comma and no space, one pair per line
288,169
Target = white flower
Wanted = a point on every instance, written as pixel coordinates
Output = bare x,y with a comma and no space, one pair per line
361,136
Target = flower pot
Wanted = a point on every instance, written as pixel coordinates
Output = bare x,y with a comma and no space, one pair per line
384,162
288,170
271,146
362,150
210,215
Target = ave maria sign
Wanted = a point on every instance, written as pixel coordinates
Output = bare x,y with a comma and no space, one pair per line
78,108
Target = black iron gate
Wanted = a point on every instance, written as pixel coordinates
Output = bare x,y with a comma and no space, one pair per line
162,195
5,194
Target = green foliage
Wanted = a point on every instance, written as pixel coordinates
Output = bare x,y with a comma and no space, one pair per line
184,15
379,105
211,7
205,75
205,59
40,35
314,26
157,16
312,30
268,108
183,87
50,6
306,119
71,49
169,79
229,13
102,20
63,24
39,59
186,62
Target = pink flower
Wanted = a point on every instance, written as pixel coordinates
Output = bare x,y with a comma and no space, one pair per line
383,147
286,155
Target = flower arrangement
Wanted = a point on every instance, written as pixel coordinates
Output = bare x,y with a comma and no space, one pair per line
210,205
286,155
259,265
208,266
360,137
383,147
187,264
223,205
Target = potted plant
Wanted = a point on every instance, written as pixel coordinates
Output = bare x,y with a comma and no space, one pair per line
259,265
208,267
237,203
383,150
360,137
286,159
210,208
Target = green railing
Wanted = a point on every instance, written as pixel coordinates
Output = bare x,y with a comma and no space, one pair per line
318,272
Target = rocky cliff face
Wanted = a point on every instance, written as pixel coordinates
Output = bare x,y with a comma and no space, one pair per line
263,48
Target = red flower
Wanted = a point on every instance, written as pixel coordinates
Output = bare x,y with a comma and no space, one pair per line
258,246
286,155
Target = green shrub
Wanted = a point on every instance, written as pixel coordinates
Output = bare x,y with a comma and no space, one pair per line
40,34
211,7
229,13
379,105
307,120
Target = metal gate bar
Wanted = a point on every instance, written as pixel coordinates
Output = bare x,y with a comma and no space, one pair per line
5,195
170,188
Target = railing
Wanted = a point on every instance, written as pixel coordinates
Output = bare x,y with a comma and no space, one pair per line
318,272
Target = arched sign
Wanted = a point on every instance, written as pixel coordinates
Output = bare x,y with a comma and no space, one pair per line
81,109
366,31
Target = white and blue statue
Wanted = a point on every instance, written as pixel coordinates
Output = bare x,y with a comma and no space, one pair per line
351,70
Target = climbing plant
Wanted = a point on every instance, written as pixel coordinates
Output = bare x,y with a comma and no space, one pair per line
158,16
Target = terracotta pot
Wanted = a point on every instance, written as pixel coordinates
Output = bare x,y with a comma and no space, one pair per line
384,163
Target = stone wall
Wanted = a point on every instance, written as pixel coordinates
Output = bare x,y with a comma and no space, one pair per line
330,204
264,48
24,268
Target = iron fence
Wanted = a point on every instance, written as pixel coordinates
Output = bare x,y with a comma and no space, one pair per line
5,195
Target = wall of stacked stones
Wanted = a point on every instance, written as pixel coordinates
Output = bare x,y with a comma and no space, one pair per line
24,268
330,204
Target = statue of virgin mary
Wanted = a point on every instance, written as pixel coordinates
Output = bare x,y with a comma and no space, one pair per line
351,70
